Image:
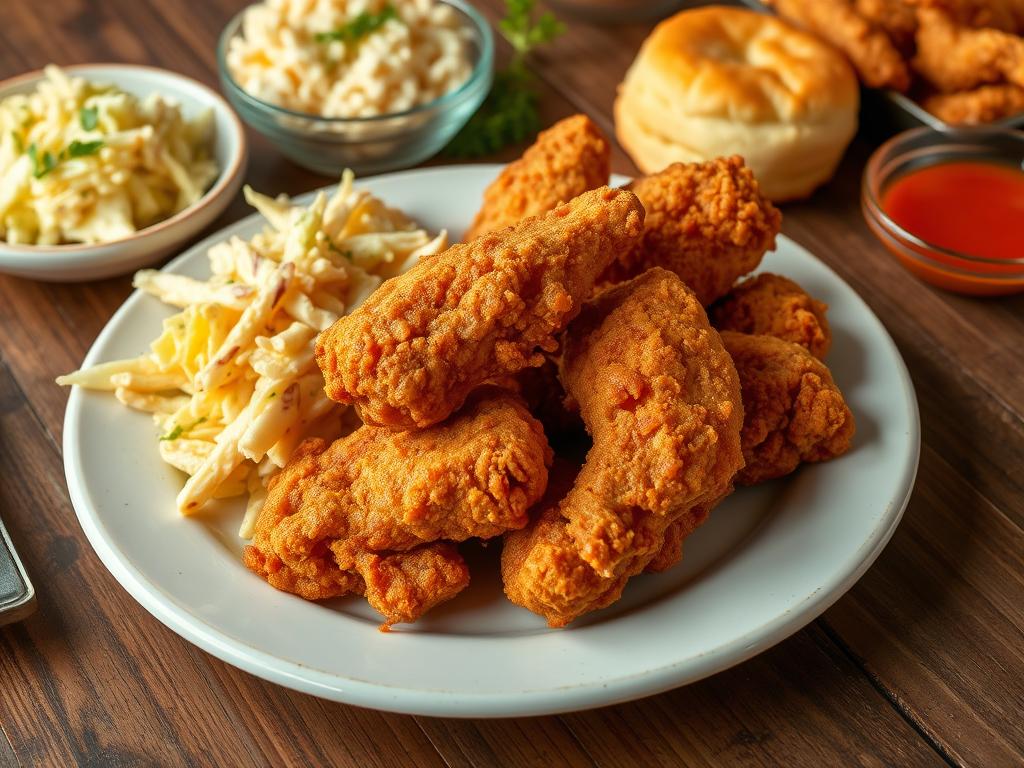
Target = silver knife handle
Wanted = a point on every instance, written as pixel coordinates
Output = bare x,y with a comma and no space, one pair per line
17,597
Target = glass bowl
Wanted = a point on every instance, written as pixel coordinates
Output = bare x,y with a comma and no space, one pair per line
368,145
942,267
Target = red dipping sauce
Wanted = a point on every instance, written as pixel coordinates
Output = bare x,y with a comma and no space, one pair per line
974,208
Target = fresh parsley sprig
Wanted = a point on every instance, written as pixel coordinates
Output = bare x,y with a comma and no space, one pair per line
89,118
366,23
43,163
509,114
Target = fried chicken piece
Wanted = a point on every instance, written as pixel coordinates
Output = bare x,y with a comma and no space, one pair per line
895,17
413,351
341,518
1005,15
955,58
661,399
404,586
985,104
707,222
568,159
774,306
867,46
794,411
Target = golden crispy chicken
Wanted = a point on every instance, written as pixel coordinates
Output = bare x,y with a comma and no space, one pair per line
707,222
568,159
661,399
956,58
413,351
794,412
895,17
985,104
868,47
1005,15
775,306
361,515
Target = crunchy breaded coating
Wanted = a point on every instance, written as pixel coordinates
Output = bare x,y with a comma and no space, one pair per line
794,411
1006,15
956,58
339,518
775,306
895,17
985,104
661,399
568,159
707,222
404,586
413,351
867,46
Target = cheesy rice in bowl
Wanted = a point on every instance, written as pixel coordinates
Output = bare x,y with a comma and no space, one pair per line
371,85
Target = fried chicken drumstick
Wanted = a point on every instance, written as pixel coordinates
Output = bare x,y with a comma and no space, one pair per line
707,222
661,399
362,514
568,159
410,355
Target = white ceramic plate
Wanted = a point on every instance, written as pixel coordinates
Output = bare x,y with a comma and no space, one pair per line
769,560
66,263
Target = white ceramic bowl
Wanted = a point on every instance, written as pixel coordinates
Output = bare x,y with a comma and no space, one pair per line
68,263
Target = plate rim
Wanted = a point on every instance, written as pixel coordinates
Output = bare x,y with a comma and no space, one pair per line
445,703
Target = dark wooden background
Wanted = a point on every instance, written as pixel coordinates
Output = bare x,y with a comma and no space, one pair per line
922,663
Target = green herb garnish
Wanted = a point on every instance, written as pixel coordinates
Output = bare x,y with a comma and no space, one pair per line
89,118
41,164
509,114
364,24
179,430
47,161
81,149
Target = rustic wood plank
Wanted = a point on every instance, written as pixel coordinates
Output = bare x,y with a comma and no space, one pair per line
7,755
939,621
300,729
809,714
794,705
538,741
89,662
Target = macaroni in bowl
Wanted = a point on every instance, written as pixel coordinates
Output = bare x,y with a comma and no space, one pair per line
83,162
350,58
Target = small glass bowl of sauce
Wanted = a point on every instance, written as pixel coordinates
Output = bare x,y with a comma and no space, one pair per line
950,206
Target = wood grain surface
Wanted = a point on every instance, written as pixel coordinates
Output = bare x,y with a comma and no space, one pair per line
922,663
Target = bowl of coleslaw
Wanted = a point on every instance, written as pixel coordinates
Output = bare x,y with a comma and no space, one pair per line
373,87
105,168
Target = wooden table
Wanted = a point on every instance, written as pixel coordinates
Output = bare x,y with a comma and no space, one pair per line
921,663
